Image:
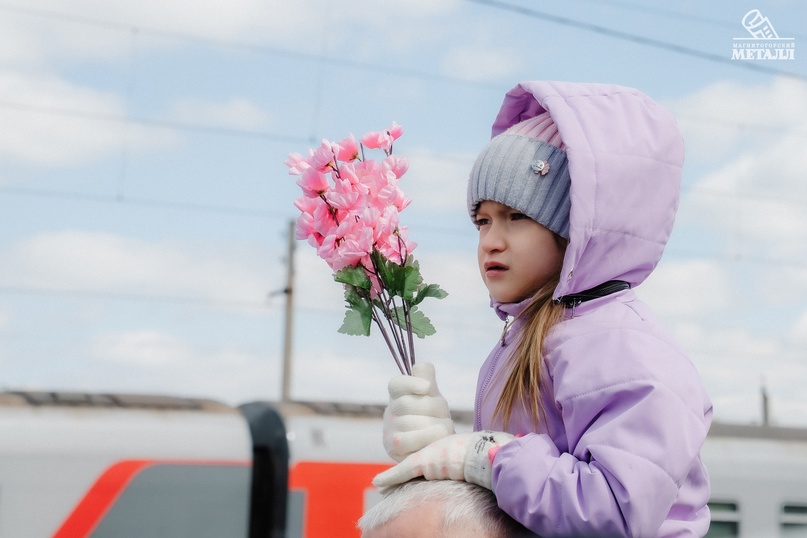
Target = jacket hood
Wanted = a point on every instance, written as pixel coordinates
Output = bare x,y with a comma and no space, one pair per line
625,156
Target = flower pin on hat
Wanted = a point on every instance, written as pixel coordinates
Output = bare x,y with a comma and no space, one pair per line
540,167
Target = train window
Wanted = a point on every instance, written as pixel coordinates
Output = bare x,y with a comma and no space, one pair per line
794,520
725,520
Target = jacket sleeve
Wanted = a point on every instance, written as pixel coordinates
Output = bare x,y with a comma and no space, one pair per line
635,416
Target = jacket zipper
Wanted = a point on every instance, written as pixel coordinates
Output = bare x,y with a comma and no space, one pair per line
483,388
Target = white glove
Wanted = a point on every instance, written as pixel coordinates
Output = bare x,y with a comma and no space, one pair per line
417,414
462,456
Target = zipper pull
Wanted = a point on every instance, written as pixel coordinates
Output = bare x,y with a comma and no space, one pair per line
507,323
575,303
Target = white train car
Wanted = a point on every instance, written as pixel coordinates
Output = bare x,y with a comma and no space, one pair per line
759,481
111,465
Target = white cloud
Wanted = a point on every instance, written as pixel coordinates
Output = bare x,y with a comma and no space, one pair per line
147,348
436,183
759,199
30,39
96,261
48,121
153,361
688,289
735,363
798,332
92,29
236,113
726,116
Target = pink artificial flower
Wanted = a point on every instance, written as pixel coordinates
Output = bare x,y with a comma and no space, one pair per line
347,150
306,204
355,246
345,197
347,245
296,163
370,216
397,247
327,248
398,165
325,221
305,222
350,172
323,157
385,224
313,182
400,200
387,194
377,140
395,131
367,174
315,217
391,237
305,226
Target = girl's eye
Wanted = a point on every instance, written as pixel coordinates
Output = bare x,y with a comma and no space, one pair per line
518,216
479,222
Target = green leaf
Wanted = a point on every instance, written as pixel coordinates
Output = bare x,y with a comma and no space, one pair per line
390,274
354,298
411,282
356,322
398,317
421,325
353,276
431,290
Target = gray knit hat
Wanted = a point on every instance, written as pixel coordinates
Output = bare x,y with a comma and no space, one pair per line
525,168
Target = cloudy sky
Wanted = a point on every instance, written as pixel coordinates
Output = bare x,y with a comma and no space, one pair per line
145,204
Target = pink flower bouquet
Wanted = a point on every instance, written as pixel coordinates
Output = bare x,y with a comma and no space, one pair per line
350,213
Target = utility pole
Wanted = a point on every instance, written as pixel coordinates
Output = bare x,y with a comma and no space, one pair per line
766,412
288,331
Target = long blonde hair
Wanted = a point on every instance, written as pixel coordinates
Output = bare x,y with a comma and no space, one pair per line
525,379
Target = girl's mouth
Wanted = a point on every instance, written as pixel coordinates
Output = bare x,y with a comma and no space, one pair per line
494,268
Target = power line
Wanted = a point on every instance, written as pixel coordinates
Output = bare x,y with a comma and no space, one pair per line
742,126
144,202
669,13
245,46
138,297
162,124
634,38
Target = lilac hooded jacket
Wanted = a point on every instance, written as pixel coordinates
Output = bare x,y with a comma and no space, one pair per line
626,412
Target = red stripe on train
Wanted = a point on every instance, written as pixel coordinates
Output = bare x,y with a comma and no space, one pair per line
99,498
89,512
334,494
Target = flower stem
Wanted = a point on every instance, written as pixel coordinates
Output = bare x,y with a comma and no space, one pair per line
397,332
409,333
389,343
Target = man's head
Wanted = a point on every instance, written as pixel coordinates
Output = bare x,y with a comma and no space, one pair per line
438,509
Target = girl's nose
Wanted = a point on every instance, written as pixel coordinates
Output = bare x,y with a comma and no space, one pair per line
492,240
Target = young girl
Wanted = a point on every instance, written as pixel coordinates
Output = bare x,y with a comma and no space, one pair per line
589,416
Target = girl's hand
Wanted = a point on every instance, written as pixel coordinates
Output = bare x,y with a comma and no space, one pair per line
462,456
417,414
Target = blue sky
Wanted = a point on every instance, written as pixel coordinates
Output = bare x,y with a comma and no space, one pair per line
145,202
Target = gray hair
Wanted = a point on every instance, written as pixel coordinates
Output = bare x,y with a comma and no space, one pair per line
462,505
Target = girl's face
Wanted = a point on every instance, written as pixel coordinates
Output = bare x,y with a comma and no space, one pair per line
517,256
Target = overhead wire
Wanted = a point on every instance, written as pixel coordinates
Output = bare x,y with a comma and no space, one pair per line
636,38
245,46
